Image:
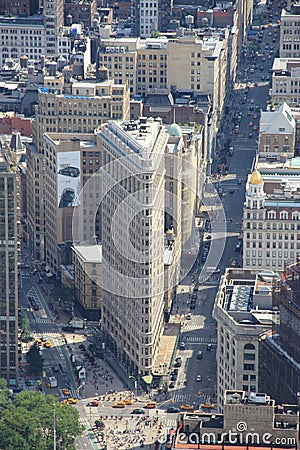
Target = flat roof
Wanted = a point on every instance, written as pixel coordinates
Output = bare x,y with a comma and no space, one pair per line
90,253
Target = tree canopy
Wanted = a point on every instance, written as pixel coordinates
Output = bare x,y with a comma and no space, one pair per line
34,359
27,422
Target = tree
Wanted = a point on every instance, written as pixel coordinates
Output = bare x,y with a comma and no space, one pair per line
34,359
25,333
28,424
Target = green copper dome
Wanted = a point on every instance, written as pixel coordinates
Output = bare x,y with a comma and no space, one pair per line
174,130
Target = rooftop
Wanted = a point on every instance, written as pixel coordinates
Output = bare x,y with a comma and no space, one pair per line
90,253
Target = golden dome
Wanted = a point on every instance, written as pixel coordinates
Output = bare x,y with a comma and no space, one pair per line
255,178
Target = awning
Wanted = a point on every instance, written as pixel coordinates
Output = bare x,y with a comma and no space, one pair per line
148,379
49,274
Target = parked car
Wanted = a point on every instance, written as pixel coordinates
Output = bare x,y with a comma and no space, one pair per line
172,385
182,345
209,347
199,378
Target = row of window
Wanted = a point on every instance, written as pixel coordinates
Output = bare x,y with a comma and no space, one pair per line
268,262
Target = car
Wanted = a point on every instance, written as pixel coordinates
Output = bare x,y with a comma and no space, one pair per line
207,405
69,171
208,237
250,135
150,405
173,377
174,372
138,411
231,191
192,305
44,338
55,369
199,378
72,401
209,347
187,407
92,403
194,295
179,359
204,256
238,246
128,402
200,354
250,124
239,181
66,391
188,316
262,78
39,342
173,410
233,264
177,364
119,405
248,113
47,344
172,385
255,128
67,198
195,289
182,345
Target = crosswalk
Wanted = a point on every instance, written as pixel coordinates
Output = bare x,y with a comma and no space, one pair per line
190,326
182,398
41,320
200,340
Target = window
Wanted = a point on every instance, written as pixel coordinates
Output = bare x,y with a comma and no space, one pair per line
249,367
249,356
249,347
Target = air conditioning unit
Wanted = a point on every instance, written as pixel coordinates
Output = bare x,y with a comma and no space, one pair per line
107,49
122,49
117,49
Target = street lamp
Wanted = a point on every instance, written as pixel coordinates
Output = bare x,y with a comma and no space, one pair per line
131,377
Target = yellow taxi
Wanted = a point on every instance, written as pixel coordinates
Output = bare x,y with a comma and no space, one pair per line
207,405
187,407
39,342
47,344
150,405
72,401
128,402
66,391
119,405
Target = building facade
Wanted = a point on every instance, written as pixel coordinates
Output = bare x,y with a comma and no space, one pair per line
22,36
150,17
289,43
243,311
53,11
286,81
71,108
9,246
87,272
279,353
270,220
132,309
81,11
277,134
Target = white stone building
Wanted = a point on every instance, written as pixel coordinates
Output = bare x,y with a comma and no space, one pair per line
271,219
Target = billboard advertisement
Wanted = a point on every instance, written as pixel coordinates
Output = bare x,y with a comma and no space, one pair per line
68,179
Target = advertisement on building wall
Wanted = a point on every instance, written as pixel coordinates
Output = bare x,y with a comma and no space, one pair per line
68,179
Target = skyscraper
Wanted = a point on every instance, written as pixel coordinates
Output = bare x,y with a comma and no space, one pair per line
133,223
8,273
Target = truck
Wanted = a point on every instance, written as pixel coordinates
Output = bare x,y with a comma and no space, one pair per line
52,382
77,323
